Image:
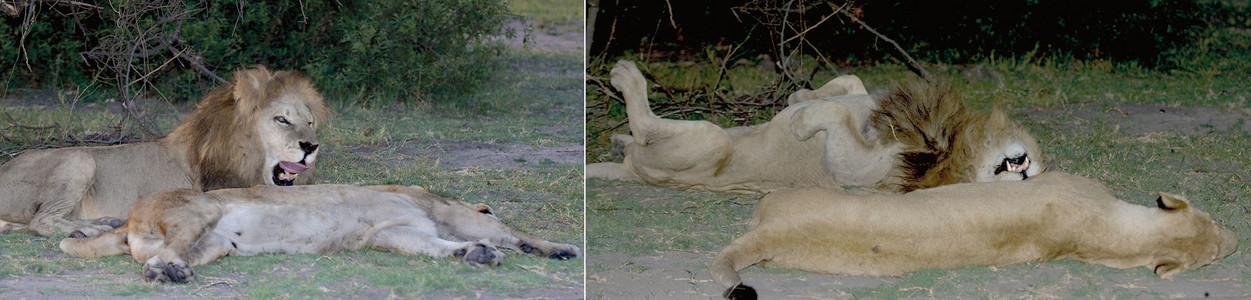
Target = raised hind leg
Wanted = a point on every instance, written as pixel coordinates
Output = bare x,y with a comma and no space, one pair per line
659,148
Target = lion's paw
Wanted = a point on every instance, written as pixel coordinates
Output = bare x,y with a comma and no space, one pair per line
559,251
159,271
90,230
112,222
480,254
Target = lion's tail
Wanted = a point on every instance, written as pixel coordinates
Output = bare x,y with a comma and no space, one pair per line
106,244
724,268
627,78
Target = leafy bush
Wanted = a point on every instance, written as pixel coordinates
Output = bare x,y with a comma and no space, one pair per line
393,50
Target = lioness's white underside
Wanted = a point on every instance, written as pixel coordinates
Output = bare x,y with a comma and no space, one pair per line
254,228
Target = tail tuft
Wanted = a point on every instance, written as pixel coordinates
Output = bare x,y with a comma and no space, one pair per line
740,292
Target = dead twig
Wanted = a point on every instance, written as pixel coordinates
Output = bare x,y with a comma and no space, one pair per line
912,63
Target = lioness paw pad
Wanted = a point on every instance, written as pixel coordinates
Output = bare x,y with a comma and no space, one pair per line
156,270
480,255
564,252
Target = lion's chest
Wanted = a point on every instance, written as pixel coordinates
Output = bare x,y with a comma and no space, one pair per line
315,228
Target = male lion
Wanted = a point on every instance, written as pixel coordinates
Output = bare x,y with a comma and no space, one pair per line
171,231
1052,216
918,136
258,130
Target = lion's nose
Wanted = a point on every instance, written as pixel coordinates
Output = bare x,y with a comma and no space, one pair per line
308,147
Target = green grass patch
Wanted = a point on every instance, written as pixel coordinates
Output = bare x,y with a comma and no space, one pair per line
549,12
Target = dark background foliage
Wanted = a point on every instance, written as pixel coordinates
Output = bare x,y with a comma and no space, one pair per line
424,50
1150,33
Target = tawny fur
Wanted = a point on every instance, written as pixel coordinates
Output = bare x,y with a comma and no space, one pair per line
171,231
918,136
942,140
231,140
1052,216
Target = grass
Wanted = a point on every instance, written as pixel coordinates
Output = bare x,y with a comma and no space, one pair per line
537,101
550,15
1074,108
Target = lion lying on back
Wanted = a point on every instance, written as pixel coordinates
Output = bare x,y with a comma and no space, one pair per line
171,231
1052,216
258,130
918,136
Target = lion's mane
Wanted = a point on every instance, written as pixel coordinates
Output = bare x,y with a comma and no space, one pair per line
223,148
941,137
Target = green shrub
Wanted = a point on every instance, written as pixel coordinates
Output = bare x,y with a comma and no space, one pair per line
391,50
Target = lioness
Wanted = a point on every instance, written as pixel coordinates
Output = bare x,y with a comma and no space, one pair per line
171,231
918,136
258,130
1052,216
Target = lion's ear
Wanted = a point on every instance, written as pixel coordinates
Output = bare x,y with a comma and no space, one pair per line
998,117
1166,267
249,86
1171,202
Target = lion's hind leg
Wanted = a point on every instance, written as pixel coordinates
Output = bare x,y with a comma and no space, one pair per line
415,240
464,223
69,179
658,147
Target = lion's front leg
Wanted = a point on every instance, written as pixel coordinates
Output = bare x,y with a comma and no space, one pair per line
851,156
414,240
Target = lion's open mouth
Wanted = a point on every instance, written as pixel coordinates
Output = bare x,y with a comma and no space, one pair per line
286,172
1014,165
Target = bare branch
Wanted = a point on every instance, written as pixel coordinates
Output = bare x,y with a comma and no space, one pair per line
912,63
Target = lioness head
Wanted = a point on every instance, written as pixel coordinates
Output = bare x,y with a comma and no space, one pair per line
258,130
1187,238
946,143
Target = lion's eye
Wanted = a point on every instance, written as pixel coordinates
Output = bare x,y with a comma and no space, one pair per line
282,120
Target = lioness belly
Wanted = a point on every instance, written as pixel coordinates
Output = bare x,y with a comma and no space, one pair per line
254,228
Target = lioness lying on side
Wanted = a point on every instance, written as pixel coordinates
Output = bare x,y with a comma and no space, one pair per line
918,136
260,129
1052,216
173,230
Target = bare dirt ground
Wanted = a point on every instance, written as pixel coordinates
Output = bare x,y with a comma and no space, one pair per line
71,285
470,154
1136,119
684,274
558,37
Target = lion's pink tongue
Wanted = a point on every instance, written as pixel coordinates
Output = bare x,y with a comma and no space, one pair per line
294,168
